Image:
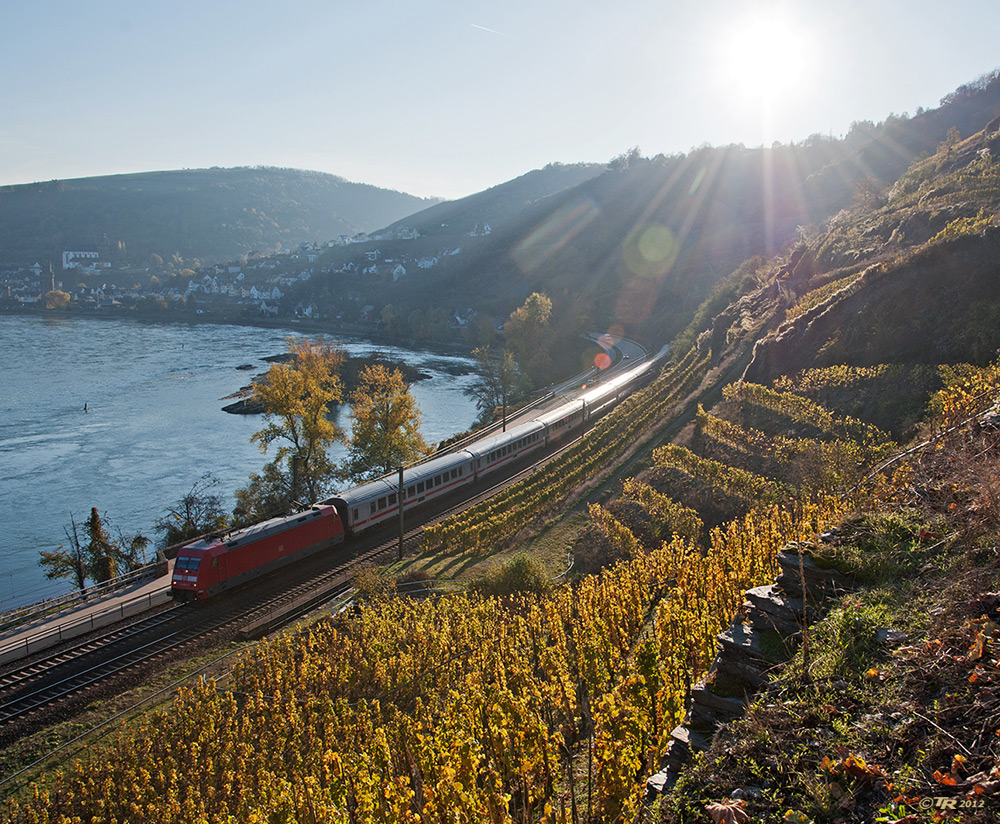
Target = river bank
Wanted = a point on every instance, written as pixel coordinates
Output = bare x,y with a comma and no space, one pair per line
125,416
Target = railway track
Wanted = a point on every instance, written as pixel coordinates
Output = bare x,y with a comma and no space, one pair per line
61,683
40,668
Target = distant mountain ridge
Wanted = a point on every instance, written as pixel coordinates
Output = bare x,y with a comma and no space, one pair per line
210,214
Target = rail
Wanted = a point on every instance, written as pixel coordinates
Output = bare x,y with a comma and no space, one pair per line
52,635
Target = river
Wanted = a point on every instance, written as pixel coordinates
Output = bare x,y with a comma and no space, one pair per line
126,416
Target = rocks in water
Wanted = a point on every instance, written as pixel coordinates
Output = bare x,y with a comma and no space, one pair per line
249,405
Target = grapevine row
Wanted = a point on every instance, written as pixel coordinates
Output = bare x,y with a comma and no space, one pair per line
721,478
801,410
504,515
826,464
459,709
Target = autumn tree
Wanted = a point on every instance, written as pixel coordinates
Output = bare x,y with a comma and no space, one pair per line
98,557
296,397
385,426
200,511
267,493
500,382
530,337
56,299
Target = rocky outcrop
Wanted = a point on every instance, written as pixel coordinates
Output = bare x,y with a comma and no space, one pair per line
760,639
883,315
248,403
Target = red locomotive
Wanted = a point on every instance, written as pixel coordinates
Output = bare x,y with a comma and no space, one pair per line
212,564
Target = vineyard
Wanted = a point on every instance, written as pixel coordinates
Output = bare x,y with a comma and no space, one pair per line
541,708
459,709
498,520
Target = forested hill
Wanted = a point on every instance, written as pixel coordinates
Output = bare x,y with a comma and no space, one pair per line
642,241
209,214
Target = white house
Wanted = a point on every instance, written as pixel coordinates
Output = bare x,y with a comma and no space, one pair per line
79,259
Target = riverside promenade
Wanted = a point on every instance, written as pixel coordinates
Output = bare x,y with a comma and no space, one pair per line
46,624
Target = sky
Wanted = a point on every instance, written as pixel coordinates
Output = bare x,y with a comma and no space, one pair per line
443,98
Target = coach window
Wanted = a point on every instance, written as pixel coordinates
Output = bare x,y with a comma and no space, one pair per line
381,504
454,474
420,487
411,491
372,512
392,499
355,513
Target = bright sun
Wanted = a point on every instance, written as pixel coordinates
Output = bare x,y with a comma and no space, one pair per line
764,56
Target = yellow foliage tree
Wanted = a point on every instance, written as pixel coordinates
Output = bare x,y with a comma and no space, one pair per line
296,397
56,299
385,432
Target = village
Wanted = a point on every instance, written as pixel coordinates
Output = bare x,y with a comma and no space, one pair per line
257,286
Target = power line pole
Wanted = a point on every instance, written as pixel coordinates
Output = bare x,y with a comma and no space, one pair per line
400,496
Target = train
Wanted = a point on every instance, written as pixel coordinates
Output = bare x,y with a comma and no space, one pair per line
217,562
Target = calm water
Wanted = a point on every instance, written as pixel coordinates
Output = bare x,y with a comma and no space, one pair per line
153,425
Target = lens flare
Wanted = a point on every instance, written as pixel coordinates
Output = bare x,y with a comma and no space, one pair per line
650,250
554,234
602,360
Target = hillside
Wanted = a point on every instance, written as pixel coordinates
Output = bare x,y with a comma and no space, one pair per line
205,214
640,243
909,278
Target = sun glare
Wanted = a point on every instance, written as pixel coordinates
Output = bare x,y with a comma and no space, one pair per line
764,56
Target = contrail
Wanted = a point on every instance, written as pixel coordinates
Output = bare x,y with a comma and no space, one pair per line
491,31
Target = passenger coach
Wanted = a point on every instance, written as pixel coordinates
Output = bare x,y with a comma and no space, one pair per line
378,501
215,563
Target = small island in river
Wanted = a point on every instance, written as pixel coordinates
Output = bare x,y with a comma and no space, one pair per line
247,402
